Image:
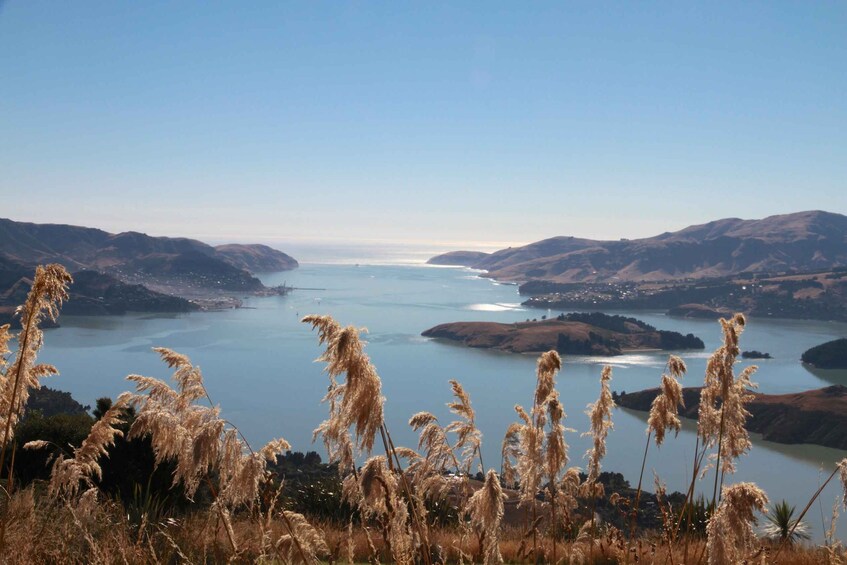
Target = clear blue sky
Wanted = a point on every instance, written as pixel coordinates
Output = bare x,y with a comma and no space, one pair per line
504,122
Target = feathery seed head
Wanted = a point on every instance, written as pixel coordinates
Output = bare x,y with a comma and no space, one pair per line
510,451
842,471
301,536
485,508
548,364
358,402
664,412
730,529
67,474
36,444
468,437
5,338
600,415
722,412
421,419
49,290
676,366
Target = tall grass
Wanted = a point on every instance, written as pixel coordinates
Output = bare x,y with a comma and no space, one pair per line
536,508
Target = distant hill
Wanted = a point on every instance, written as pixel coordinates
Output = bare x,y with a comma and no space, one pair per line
175,264
459,258
255,258
803,241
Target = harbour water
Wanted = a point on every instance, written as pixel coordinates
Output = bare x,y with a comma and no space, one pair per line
258,362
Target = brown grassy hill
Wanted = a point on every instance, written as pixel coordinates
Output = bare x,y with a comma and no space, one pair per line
575,334
255,258
802,241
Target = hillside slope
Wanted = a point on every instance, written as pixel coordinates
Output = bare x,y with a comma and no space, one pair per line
815,416
802,241
135,258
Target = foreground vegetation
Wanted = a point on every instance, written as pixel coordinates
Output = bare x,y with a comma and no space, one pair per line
159,476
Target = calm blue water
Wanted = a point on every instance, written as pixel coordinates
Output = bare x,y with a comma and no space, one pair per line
258,362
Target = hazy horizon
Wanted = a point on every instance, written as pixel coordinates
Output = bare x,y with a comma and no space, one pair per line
429,123
350,251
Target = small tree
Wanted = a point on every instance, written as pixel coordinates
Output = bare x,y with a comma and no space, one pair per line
781,525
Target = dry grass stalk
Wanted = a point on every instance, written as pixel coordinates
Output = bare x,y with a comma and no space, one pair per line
538,454
429,472
556,452
525,441
530,457
730,529
196,436
5,337
199,440
600,415
664,412
356,402
380,499
304,543
485,508
841,469
510,451
49,290
468,437
83,467
842,472
722,413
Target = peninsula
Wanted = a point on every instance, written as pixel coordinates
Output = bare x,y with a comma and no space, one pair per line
829,355
814,416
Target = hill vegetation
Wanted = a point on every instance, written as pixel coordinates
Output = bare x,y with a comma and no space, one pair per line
573,334
829,355
132,271
820,295
804,241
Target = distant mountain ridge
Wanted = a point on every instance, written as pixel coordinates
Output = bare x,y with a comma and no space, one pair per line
78,247
121,262
801,241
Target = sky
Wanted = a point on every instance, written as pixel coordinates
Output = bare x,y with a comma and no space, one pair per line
466,124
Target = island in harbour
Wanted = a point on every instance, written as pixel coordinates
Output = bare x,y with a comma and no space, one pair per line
572,334
755,354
